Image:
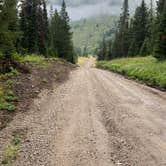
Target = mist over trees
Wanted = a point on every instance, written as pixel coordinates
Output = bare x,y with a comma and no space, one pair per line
141,35
29,30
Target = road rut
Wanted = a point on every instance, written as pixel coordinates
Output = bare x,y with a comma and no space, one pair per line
96,118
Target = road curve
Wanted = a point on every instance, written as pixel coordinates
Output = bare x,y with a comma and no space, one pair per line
96,118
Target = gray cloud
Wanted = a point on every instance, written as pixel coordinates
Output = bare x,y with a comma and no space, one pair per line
78,9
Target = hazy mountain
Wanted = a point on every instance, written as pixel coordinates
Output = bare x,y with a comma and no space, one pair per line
88,33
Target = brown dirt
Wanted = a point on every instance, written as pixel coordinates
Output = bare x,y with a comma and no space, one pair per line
33,79
95,118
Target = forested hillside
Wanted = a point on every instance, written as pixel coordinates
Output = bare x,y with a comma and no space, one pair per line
88,33
141,34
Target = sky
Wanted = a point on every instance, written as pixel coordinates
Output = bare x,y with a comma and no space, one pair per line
79,9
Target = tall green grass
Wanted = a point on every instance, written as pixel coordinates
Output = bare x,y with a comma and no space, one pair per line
146,69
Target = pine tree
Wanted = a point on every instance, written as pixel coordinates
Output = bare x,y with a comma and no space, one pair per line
8,28
29,25
43,31
65,48
116,51
102,54
151,29
139,26
160,44
34,25
61,44
109,50
121,43
55,43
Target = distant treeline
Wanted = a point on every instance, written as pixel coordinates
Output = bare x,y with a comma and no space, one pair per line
25,28
141,35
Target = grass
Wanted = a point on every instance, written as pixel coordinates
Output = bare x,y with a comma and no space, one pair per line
145,69
7,98
10,74
11,152
41,61
32,58
82,61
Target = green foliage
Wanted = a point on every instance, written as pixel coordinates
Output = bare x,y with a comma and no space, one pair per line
11,152
6,45
88,33
8,29
144,48
34,25
7,107
6,99
61,37
10,97
16,140
121,43
13,72
32,58
10,155
160,44
139,31
146,69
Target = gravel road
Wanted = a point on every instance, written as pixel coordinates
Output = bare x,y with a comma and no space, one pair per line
96,118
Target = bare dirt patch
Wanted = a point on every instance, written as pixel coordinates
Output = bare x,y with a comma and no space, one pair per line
32,79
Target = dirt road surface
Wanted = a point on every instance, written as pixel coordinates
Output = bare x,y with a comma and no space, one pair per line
96,118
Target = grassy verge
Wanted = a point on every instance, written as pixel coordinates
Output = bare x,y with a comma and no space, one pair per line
145,69
38,60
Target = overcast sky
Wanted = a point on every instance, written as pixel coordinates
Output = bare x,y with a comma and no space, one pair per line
78,9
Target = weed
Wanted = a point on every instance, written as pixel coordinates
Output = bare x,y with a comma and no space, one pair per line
7,107
16,140
146,69
10,83
11,152
11,74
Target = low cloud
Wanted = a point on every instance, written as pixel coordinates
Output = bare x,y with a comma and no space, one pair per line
78,9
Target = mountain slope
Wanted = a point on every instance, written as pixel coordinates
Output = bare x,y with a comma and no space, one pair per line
88,33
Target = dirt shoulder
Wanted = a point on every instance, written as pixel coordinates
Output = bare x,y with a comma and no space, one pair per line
27,85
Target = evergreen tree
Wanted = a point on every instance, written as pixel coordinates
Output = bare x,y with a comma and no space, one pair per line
121,43
29,25
139,27
65,44
55,34
102,54
109,50
116,52
8,28
61,44
150,30
160,44
34,25
43,34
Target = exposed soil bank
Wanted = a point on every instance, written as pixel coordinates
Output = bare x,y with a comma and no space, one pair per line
32,79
